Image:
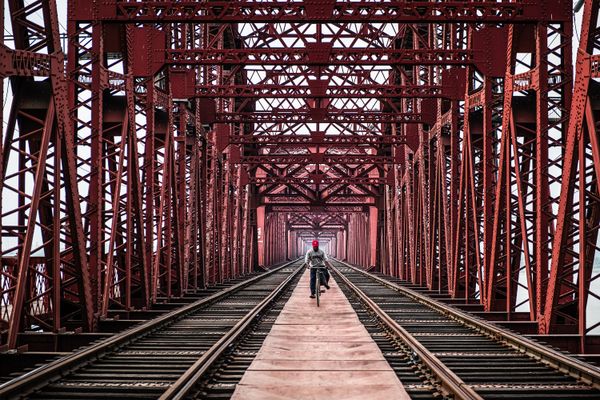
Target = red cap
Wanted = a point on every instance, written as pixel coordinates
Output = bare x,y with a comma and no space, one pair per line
315,243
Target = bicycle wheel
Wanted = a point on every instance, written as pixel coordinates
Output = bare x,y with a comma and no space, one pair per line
318,286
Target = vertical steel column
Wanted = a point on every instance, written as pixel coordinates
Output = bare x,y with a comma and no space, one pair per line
574,247
38,168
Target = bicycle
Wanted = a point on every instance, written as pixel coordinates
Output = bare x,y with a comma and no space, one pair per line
318,282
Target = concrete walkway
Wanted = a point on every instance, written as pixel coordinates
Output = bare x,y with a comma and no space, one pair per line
319,353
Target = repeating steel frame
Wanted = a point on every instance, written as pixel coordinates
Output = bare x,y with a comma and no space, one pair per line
174,145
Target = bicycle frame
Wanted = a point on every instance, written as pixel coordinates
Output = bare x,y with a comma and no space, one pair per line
318,282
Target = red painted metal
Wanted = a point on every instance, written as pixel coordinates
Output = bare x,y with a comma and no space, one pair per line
571,287
182,144
310,114
44,272
320,54
355,89
317,139
317,11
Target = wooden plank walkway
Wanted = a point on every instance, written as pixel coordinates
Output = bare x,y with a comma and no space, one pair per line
319,353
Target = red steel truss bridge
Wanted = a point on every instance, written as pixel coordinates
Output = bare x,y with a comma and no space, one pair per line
153,150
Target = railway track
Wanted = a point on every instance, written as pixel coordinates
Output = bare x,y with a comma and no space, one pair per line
220,381
203,350
469,357
41,359
418,380
434,355
161,355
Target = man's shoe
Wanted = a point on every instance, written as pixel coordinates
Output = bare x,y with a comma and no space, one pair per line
312,296
326,286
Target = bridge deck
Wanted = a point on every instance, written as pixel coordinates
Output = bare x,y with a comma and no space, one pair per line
319,353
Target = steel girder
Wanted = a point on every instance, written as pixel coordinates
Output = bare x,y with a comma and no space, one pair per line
16,62
319,89
316,179
335,116
311,11
321,54
315,158
317,140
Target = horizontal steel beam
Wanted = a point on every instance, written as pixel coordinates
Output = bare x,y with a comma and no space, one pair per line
331,229
296,226
319,115
320,180
334,202
350,91
393,11
24,63
296,209
317,228
308,159
312,140
313,55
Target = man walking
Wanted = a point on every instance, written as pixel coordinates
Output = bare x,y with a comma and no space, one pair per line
316,258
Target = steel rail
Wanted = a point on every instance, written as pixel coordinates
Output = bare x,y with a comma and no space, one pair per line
571,366
40,376
194,373
450,382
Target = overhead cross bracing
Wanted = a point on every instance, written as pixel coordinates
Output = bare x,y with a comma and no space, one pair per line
167,146
323,91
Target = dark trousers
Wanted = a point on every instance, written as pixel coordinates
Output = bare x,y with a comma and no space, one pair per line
313,279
